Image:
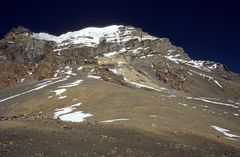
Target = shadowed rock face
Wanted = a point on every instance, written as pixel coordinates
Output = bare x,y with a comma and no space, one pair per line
10,73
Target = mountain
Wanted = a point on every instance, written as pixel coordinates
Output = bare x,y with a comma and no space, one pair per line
118,84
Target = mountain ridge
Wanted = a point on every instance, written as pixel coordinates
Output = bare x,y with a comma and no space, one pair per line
124,38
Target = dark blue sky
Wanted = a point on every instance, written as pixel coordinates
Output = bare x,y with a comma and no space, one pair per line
208,30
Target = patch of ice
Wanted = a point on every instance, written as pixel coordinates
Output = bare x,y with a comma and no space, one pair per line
189,73
45,36
114,120
142,86
80,68
234,102
29,72
225,132
154,116
59,91
65,110
45,82
78,116
213,102
110,54
214,66
149,55
67,114
114,71
202,65
173,58
208,77
183,104
137,50
60,49
218,83
94,77
22,80
210,98
69,71
120,62
62,97
172,96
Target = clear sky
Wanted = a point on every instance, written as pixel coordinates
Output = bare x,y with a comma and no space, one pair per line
207,30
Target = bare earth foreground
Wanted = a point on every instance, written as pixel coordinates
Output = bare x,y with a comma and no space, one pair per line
151,125
51,138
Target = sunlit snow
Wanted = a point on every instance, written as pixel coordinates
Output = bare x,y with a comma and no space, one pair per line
225,132
94,77
214,102
67,114
39,86
114,120
92,36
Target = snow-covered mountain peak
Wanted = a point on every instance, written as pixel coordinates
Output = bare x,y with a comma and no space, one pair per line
92,36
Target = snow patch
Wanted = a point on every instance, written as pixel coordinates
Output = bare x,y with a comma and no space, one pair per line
154,116
67,114
213,102
149,55
114,71
94,77
22,80
110,54
69,71
225,132
78,116
73,84
65,110
114,120
39,86
141,85
208,77
234,102
80,68
183,104
59,93
202,65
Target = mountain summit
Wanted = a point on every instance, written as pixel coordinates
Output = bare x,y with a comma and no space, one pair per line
120,75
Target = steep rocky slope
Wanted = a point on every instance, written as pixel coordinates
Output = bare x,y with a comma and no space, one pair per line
119,75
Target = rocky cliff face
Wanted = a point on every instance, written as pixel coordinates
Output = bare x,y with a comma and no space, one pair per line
122,53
